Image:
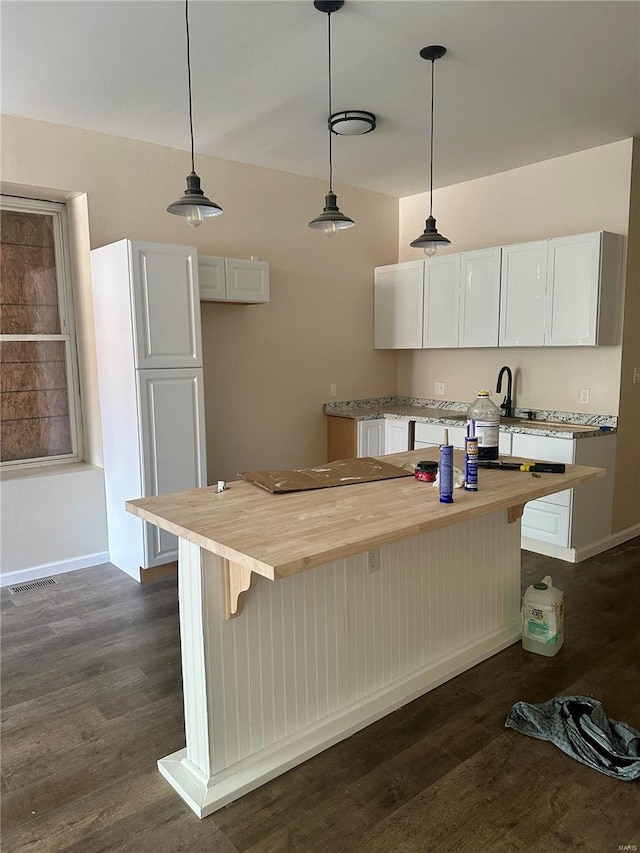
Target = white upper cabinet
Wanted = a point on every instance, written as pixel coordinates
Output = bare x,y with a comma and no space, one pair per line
459,305
559,292
213,281
166,308
583,288
441,301
479,298
523,292
233,280
398,298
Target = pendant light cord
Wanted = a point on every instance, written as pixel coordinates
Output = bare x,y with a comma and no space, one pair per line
330,107
433,65
186,10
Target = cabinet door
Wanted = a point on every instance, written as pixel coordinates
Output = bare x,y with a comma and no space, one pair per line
522,295
547,519
247,281
398,297
573,290
433,435
212,279
441,302
547,522
396,436
166,306
479,298
173,445
371,437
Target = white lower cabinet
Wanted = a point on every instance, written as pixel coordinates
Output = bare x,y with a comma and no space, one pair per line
371,437
380,436
172,438
433,435
567,523
396,436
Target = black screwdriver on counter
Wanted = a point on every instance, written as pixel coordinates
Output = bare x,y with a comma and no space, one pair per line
533,467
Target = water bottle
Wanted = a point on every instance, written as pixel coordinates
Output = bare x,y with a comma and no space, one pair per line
483,421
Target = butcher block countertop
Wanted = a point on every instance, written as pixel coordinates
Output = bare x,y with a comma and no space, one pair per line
277,535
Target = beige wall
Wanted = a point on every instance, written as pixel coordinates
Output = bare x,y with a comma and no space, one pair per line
587,191
626,507
267,368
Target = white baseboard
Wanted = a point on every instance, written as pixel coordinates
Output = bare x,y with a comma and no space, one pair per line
577,555
549,550
207,796
608,542
48,569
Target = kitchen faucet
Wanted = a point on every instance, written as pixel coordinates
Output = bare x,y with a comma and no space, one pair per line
507,403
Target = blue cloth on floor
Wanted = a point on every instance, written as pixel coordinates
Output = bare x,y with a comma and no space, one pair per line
579,726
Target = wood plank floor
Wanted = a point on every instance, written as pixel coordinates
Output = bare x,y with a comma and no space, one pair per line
91,697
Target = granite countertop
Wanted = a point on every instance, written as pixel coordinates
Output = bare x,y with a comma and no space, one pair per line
551,423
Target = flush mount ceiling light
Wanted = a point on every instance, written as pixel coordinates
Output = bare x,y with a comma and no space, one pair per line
430,239
352,122
331,219
194,204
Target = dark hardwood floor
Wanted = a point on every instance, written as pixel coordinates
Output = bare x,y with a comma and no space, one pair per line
91,697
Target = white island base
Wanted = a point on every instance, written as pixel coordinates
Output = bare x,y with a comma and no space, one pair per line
314,657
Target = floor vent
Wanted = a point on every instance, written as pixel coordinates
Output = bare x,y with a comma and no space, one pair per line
27,587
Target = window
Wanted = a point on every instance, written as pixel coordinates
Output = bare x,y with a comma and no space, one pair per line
39,400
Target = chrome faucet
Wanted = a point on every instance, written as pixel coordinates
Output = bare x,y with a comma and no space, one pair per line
507,403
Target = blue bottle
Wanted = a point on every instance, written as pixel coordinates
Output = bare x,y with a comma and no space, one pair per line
445,474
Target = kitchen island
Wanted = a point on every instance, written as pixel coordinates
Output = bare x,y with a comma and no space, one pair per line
306,616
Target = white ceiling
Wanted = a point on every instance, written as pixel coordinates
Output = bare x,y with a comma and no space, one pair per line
521,82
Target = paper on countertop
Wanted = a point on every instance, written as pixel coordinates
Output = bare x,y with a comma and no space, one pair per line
343,472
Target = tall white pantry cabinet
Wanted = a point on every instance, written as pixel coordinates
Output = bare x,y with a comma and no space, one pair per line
149,352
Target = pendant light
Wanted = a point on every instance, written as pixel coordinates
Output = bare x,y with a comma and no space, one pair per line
331,219
430,239
194,204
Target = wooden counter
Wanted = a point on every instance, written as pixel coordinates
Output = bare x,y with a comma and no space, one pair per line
381,593
281,535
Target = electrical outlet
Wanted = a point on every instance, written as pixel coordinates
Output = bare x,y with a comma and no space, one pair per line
373,561
333,390
585,395
439,389
636,375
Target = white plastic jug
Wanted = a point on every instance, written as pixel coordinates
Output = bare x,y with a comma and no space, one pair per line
543,618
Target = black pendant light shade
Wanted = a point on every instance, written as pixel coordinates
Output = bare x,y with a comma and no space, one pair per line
331,219
431,239
194,204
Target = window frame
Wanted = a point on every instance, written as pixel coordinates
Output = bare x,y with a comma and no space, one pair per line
57,210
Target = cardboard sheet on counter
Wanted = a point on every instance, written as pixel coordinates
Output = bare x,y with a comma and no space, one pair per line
343,472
